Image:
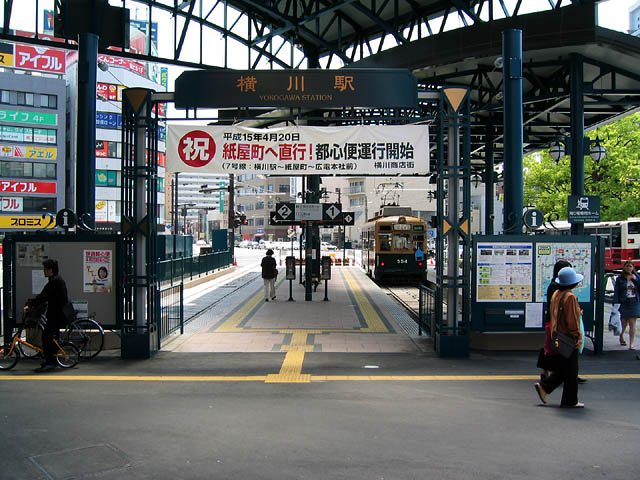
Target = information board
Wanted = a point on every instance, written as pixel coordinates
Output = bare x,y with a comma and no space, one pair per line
578,254
504,272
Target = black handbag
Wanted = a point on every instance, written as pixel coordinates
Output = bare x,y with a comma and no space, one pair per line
562,344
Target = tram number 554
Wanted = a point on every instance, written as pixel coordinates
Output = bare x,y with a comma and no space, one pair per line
401,260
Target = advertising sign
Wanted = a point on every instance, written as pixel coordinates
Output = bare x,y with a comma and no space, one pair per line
42,59
11,204
98,271
19,222
27,187
6,54
20,116
136,67
108,90
300,150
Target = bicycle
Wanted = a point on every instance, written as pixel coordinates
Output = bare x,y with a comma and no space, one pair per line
87,335
67,356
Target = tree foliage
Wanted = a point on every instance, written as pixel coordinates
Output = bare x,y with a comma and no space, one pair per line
616,178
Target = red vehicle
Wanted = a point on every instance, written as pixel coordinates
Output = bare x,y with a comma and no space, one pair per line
622,240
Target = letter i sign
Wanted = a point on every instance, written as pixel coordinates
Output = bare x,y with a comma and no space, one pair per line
196,148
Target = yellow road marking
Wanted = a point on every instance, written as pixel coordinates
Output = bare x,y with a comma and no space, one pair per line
369,313
291,366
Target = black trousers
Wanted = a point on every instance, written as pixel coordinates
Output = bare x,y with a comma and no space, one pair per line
567,375
51,331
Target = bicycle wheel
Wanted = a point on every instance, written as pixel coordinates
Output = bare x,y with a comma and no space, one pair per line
8,357
33,335
87,335
69,356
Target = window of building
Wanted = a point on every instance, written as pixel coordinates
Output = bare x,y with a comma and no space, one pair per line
270,188
48,101
356,187
259,222
39,205
5,96
250,222
27,170
283,188
259,205
357,202
25,98
270,205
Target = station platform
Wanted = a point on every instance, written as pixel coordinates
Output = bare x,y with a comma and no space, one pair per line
358,317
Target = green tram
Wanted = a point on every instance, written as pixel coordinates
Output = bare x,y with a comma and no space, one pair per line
389,245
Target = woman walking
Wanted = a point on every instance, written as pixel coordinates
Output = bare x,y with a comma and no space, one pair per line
627,294
565,318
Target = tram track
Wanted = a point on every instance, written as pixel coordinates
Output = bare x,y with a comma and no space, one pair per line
406,296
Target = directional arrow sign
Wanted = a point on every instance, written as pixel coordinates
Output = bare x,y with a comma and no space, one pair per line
273,220
285,211
348,218
331,212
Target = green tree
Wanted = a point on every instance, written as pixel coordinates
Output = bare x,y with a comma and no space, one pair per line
616,178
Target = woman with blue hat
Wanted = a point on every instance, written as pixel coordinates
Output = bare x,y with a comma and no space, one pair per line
565,318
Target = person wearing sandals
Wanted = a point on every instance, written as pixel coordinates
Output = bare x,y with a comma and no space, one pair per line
269,275
565,318
627,294
546,357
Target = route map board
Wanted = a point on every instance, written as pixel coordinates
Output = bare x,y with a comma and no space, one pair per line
504,272
578,254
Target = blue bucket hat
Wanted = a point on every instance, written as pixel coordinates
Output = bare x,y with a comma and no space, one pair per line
568,276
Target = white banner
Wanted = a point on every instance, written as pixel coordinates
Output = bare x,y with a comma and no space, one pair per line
358,150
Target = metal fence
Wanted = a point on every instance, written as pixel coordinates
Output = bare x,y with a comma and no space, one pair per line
188,268
171,311
427,311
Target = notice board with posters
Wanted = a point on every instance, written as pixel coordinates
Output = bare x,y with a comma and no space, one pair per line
511,274
89,265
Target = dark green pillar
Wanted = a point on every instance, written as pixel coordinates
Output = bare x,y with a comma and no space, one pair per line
86,131
577,133
513,124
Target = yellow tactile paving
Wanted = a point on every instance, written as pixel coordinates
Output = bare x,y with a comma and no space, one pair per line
374,322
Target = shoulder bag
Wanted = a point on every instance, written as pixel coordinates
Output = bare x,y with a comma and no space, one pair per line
562,344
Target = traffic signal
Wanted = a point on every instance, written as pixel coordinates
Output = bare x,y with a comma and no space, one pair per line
433,223
243,219
236,222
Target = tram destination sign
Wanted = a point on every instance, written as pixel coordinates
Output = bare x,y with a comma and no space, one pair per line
296,88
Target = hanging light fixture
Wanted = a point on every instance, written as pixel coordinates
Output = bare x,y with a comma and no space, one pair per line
557,151
598,152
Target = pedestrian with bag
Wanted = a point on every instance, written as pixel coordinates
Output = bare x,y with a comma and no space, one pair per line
627,294
546,357
269,275
566,339
54,295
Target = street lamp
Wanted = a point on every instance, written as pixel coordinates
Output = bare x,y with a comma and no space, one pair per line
592,147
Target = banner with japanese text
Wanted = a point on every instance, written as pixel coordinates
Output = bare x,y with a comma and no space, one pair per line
302,150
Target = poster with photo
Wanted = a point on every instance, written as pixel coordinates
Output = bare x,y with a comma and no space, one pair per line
98,272
504,272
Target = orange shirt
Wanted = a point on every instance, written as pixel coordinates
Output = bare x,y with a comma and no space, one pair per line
569,322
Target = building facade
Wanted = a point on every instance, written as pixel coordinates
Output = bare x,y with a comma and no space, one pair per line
33,153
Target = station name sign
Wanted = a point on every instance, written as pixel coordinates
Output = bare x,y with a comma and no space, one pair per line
384,88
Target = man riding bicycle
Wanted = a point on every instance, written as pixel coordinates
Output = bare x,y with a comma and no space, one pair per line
54,294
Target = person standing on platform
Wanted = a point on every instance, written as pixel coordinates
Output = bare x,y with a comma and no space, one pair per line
54,294
565,318
627,294
269,275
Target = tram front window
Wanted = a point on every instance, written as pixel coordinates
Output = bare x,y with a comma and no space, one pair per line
402,241
385,243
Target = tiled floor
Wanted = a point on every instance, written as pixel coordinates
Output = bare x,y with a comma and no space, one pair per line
356,318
